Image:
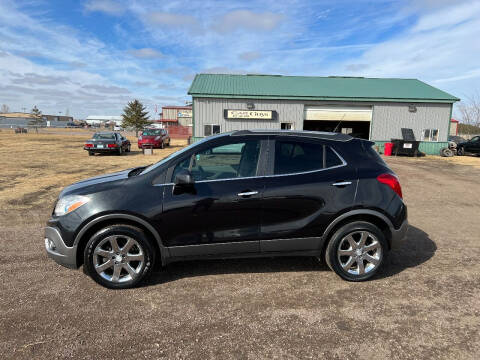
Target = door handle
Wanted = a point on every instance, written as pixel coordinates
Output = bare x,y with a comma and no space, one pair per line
247,193
342,183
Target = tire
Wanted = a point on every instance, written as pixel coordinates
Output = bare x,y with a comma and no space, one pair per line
346,266
460,151
90,153
100,251
446,152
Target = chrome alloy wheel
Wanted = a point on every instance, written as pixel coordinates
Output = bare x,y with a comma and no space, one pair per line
359,252
118,258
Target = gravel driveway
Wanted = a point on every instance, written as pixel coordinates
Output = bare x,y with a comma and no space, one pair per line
425,304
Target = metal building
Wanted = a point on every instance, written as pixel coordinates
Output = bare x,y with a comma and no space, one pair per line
177,115
370,108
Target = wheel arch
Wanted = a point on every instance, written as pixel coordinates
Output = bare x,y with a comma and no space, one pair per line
371,216
87,231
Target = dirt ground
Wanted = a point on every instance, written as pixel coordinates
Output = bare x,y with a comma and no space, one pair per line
425,303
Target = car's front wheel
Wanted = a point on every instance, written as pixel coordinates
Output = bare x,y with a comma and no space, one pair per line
356,251
460,151
119,256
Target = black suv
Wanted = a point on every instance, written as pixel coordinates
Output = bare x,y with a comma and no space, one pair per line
238,194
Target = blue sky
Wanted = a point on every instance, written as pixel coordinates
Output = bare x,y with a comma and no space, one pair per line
93,56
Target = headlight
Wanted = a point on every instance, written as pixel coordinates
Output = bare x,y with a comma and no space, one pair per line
69,203
157,138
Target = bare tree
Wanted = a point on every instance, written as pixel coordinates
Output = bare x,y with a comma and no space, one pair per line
470,110
5,108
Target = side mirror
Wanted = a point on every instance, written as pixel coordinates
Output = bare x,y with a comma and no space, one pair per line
184,177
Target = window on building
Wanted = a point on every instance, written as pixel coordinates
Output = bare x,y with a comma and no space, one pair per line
430,135
286,126
211,129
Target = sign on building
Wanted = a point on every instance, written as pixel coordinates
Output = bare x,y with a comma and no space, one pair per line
250,114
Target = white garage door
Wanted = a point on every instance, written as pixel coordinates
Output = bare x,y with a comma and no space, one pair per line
332,112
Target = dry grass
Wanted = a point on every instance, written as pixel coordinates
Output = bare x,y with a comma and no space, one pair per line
35,167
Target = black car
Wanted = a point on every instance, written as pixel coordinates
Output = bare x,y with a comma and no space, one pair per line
456,139
470,146
107,142
238,194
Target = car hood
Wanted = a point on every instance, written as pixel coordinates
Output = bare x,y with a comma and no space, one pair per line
79,187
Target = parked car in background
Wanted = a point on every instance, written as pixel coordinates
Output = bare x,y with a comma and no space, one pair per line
239,194
156,138
107,142
456,139
118,128
471,146
74,125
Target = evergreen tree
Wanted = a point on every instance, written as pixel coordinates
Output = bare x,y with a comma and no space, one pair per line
135,116
37,118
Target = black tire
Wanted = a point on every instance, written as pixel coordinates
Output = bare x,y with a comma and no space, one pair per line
337,239
121,233
460,151
446,152
90,153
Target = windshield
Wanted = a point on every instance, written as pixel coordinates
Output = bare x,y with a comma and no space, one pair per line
104,136
177,153
152,132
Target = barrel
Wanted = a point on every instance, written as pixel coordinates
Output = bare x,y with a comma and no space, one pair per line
388,149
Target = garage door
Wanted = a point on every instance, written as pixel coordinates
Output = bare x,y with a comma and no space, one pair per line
351,113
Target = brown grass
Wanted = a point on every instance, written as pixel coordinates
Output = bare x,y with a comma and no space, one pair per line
35,167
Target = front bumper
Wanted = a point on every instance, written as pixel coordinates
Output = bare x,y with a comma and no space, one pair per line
398,235
58,251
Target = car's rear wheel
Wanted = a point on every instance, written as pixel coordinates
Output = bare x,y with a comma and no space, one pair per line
119,257
356,251
90,153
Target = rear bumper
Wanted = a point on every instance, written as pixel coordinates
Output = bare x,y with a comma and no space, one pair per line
398,235
58,251
106,150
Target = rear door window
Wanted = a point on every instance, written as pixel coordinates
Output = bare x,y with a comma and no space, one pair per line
296,156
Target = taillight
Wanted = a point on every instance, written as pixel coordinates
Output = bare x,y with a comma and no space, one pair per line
392,181
88,145
112,145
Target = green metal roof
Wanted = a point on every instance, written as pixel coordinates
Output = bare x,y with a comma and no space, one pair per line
316,88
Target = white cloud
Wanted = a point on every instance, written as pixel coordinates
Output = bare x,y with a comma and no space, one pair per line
448,16
250,55
173,21
146,53
107,6
248,20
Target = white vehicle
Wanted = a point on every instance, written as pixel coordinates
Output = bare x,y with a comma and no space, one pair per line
117,128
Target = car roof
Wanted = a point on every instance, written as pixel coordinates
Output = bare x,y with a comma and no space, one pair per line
298,133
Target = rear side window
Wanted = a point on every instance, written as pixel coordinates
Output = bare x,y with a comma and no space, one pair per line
297,157
331,159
